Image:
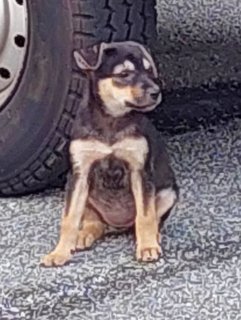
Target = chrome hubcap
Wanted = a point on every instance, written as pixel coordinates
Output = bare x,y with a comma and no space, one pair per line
13,44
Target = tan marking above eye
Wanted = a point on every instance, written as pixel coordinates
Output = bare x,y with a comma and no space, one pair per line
146,64
118,69
127,65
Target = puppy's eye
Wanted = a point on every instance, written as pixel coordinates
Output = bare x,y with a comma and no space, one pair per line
124,74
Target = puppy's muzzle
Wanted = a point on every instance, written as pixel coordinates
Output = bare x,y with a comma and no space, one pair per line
152,89
154,92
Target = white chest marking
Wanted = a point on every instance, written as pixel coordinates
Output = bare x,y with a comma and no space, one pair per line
132,150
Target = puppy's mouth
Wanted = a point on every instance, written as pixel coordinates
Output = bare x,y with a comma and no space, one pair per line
146,107
138,107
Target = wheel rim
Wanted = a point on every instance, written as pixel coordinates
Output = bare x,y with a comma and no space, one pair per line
13,45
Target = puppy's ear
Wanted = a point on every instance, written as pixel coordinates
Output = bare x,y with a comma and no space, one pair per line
89,59
147,54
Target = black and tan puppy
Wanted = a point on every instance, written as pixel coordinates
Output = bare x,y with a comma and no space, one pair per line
120,172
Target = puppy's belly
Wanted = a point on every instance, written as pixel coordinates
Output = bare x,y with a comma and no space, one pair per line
110,192
117,209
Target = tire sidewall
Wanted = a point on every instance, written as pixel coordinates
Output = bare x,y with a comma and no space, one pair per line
31,116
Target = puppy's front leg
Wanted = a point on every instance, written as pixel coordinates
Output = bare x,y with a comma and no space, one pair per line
146,223
72,215
84,153
134,151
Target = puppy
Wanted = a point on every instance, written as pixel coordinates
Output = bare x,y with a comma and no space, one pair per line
120,175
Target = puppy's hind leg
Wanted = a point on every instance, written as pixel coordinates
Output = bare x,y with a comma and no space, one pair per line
165,200
91,230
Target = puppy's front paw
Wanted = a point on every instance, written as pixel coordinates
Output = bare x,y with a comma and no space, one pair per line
55,258
148,253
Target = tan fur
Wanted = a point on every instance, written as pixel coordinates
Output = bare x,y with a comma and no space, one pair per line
84,153
82,159
119,68
62,253
147,234
81,225
93,148
146,223
132,150
91,230
146,64
127,65
137,92
114,98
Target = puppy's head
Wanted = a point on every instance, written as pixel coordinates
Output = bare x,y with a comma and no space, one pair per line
124,76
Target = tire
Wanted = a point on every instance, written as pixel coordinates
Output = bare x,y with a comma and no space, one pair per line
35,125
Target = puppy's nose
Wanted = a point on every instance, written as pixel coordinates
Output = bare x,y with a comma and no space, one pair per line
155,95
154,92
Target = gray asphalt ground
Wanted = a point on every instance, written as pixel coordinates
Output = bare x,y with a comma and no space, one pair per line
197,278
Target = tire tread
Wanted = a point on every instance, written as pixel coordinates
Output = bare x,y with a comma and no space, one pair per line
93,21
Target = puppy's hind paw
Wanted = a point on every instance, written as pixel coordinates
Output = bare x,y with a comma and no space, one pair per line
85,240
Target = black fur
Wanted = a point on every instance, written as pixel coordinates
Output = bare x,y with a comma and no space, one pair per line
110,177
